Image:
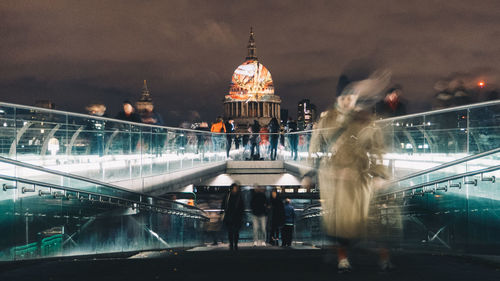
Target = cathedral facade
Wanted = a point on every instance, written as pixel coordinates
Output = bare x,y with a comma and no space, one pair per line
251,92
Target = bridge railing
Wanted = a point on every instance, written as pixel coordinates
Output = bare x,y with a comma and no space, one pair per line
465,129
102,148
420,141
445,194
49,213
452,207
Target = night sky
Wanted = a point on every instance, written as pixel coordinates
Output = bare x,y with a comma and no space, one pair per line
77,52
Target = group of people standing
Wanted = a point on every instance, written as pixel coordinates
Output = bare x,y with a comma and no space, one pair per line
271,214
260,141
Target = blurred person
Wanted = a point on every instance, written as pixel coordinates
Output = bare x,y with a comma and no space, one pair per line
276,217
128,113
254,140
274,129
96,109
217,127
182,138
213,227
237,139
287,230
234,208
95,130
259,206
129,140
202,138
151,117
264,141
391,105
350,176
245,140
293,138
230,129
282,135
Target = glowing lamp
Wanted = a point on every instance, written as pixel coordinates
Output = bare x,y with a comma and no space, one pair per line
481,84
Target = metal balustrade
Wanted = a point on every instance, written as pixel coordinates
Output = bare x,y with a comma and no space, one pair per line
90,217
447,211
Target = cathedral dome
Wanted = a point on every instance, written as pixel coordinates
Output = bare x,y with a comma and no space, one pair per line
250,80
251,94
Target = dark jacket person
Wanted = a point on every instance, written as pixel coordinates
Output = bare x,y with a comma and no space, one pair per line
277,217
233,207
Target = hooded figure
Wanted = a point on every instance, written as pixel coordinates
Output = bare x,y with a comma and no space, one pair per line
347,178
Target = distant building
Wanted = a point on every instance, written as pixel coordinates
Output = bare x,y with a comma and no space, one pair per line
145,100
306,112
251,92
45,104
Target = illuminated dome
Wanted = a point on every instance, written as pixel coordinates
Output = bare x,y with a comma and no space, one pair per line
250,80
251,94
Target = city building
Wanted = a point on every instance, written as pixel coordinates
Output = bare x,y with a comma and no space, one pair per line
145,100
306,112
251,92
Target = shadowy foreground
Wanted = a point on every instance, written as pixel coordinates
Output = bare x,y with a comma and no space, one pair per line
251,264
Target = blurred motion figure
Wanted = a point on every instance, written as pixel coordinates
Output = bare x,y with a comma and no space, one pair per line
391,105
352,167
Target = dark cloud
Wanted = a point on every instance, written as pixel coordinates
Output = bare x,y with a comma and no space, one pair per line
76,51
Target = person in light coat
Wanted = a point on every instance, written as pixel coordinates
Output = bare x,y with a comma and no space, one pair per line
351,167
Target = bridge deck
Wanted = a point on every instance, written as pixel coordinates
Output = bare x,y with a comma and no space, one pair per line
215,263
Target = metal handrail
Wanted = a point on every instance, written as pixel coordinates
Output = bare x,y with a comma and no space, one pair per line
450,109
444,110
445,179
433,169
90,193
54,111
476,105
309,210
446,165
81,178
442,166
